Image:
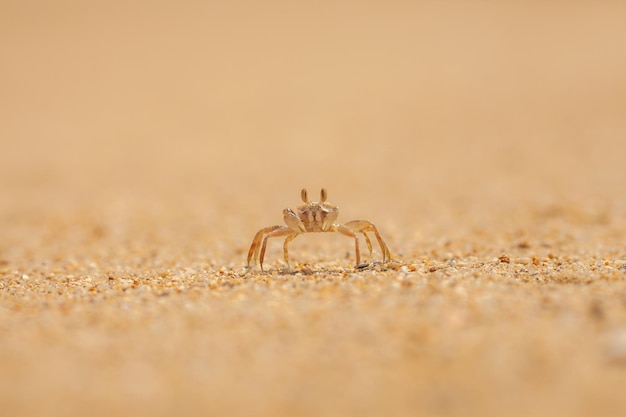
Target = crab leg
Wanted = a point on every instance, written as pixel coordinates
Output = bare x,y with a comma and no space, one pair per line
254,247
347,232
368,242
286,247
280,231
363,226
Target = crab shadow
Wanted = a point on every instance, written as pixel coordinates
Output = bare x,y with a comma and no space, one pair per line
310,270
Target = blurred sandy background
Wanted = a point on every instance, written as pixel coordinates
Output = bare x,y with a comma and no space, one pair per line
143,143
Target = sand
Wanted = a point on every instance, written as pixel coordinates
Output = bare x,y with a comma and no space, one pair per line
143,144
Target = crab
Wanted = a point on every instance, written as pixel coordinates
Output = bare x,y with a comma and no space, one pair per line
314,216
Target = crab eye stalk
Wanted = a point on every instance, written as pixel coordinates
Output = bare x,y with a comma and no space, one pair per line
323,195
304,196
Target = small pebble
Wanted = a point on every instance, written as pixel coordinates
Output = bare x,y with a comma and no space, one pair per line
504,259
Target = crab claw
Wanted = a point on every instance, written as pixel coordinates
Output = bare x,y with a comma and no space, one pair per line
291,219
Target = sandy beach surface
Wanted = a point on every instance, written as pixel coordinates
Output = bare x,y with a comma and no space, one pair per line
143,144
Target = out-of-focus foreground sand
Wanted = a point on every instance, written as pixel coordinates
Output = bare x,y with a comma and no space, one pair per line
142,144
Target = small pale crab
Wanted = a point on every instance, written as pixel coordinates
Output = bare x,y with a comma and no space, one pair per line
314,216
